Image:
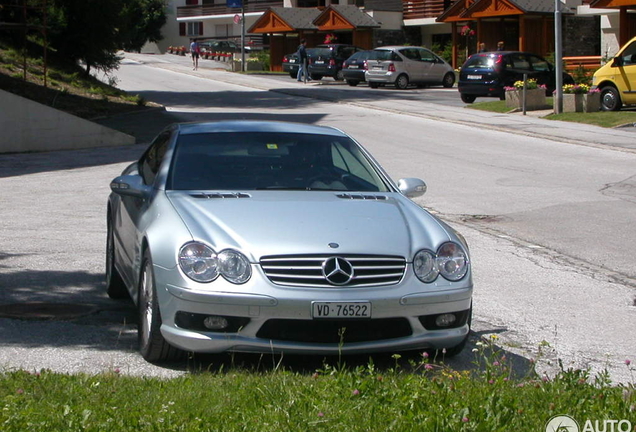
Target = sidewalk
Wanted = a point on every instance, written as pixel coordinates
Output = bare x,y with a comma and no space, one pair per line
529,125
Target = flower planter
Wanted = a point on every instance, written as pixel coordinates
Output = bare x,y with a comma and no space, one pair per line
590,102
535,99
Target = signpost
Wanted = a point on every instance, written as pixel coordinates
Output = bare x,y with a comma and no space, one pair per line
558,59
239,4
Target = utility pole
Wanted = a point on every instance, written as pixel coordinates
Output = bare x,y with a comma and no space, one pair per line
558,59
243,68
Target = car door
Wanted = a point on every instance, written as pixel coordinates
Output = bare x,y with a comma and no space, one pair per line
130,208
435,68
518,65
626,75
413,65
542,71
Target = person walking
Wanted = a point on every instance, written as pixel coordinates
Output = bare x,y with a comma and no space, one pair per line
302,58
194,51
482,48
500,46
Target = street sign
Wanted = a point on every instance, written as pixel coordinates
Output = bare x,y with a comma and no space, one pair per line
235,3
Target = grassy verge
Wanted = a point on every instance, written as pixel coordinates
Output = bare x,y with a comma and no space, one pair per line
434,398
606,119
67,87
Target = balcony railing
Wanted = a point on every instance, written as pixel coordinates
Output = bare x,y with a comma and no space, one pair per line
210,10
417,9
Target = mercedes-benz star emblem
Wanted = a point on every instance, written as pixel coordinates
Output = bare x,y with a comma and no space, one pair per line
338,271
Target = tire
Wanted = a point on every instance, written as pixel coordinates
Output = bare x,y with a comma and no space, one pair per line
610,99
339,76
152,346
293,75
402,82
466,98
353,83
316,77
115,286
449,80
374,85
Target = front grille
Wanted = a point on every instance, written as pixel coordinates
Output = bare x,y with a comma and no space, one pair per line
333,332
306,270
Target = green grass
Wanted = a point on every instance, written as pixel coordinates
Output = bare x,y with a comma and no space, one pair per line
601,118
606,119
427,397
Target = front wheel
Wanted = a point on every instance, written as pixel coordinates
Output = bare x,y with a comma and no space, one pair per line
466,98
449,80
293,74
316,77
152,346
610,99
402,82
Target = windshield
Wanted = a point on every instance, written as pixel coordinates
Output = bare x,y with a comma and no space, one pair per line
481,62
252,161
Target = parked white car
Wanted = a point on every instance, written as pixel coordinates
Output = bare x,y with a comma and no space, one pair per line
405,65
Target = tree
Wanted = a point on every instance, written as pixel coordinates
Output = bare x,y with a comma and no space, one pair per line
91,31
142,21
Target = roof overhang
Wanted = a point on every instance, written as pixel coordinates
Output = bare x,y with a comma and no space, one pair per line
611,4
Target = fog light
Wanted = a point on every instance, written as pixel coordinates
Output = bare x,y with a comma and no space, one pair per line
215,323
445,320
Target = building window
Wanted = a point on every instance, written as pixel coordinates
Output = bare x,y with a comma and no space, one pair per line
194,28
192,2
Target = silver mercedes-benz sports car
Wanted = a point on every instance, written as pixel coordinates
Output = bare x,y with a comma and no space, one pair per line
279,237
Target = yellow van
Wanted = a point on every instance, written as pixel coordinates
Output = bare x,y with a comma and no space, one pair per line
617,79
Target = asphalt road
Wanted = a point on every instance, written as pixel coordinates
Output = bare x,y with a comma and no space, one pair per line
518,199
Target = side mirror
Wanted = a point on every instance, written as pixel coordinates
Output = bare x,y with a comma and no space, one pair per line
617,62
130,185
412,187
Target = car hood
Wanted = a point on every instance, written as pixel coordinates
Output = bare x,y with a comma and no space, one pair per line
261,223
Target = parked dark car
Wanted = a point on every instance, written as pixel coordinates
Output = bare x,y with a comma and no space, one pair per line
327,60
221,46
486,74
354,67
291,62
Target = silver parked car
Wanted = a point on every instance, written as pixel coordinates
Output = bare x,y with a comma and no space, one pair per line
404,65
278,237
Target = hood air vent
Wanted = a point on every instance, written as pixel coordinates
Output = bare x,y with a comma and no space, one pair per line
221,195
362,197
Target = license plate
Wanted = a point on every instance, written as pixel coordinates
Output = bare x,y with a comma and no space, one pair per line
377,67
320,62
353,67
292,61
341,310
474,77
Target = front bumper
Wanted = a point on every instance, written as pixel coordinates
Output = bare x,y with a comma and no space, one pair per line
279,319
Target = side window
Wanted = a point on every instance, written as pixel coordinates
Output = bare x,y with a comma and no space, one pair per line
539,64
395,57
151,160
410,54
629,54
520,62
426,56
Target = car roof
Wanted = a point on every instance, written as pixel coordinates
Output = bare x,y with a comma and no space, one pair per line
255,126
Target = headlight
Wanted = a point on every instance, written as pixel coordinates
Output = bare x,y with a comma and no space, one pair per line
450,261
201,264
425,266
198,262
234,266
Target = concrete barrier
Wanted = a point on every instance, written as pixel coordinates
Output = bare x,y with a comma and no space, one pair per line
28,126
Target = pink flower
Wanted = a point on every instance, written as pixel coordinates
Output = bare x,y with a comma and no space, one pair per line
628,362
491,382
425,354
20,391
496,363
356,392
428,367
465,419
321,414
